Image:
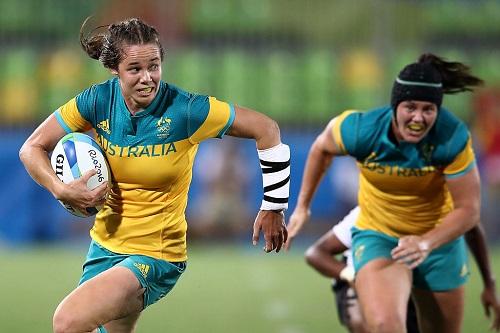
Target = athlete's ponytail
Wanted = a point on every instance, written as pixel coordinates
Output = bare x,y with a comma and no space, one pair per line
455,76
107,46
429,78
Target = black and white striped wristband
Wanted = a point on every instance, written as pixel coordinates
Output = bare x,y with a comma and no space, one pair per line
275,164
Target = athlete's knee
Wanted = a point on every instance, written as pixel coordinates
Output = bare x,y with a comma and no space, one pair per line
62,322
66,321
386,327
385,323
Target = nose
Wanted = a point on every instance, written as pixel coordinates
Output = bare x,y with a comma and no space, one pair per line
418,116
146,76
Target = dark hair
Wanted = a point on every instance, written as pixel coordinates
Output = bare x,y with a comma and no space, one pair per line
455,76
431,77
107,47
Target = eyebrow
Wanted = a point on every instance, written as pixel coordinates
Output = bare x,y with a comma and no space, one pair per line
137,62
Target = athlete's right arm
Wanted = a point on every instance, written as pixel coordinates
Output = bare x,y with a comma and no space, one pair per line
34,155
319,159
321,254
476,241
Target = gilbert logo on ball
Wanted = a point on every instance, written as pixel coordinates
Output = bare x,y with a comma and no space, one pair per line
75,154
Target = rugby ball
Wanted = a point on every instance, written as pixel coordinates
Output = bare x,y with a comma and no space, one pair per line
75,154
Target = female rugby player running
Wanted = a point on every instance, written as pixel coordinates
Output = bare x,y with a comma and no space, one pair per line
150,131
419,193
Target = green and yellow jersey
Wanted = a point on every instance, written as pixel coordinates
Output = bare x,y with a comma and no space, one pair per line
402,185
151,157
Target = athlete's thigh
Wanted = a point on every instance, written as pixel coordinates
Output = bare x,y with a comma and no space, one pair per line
440,312
383,289
113,294
123,325
383,286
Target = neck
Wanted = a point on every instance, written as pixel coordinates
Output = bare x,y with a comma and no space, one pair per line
132,107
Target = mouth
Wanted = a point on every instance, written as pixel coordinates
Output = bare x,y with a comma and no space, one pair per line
416,129
144,92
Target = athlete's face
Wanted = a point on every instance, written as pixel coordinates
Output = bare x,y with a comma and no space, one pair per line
414,120
139,73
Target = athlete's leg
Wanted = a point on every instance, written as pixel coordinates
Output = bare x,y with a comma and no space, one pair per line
440,312
123,325
439,288
383,289
355,321
348,309
113,294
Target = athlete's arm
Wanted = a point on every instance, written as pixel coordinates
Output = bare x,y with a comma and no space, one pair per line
265,131
319,159
465,192
466,195
321,255
250,124
477,244
34,156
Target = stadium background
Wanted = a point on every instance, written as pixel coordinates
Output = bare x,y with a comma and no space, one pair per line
301,62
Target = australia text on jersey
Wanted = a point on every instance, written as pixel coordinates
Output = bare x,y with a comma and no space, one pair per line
398,170
136,151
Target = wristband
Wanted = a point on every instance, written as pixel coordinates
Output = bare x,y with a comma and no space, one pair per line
275,164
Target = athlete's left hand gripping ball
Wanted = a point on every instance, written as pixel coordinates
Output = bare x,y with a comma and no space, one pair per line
75,154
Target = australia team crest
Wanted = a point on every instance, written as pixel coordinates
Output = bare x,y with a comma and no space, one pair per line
163,127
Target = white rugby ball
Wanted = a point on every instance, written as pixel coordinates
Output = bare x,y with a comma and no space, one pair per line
75,154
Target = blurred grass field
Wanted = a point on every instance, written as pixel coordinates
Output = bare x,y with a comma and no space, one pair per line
226,288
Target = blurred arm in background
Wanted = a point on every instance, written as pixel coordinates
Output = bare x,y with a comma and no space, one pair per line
477,244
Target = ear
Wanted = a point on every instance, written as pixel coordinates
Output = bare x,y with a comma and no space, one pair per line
114,72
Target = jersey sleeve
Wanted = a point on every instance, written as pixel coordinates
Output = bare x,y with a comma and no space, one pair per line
345,131
79,114
71,119
463,162
208,118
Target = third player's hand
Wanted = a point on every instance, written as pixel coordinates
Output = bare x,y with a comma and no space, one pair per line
299,217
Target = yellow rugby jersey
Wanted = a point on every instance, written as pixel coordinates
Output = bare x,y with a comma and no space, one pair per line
402,186
151,157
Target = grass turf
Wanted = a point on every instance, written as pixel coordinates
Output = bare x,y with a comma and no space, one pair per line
233,288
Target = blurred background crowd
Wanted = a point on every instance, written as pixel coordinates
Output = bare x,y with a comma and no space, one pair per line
301,62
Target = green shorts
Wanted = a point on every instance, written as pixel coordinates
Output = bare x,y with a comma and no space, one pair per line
157,276
445,268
